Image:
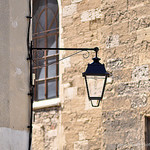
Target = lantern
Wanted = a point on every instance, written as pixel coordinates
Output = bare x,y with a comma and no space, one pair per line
95,79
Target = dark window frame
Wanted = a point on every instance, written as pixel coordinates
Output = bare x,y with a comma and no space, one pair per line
49,31
147,132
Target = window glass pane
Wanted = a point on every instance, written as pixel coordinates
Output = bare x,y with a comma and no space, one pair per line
40,90
51,88
40,60
51,67
40,43
95,85
53,18
39,5
41,73
52,44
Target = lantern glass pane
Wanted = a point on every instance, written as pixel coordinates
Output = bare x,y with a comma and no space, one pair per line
95,85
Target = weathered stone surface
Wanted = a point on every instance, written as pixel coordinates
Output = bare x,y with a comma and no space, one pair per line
121,29
115,63
69,10
76,1
112,41
91,15
45,129
139,101
140,73
81,145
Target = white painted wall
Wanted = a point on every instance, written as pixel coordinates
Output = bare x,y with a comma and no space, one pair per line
13,139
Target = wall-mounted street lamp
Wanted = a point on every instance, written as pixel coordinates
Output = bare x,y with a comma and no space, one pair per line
95,79
95,74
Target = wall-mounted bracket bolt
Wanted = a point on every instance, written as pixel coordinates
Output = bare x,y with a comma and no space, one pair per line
30,94
29,127
28,17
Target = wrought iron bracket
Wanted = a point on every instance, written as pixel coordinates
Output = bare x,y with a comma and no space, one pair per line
30,59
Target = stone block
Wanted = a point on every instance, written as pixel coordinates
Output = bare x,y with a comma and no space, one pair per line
69,10
113,137
104,33
122,103
142,9
134,25
109,80
135,2
81,136
144,58
83,28
67,21
139,23
81,91
111,146
115,63
38,137
127,88
120,5
108,19
122,75
139,101
128,39
108,56
66,63
140,73
107,105
117,5
144,86
91,15
143,34
131,60
71,92
112,41
81,145
121,28
76,1
67,32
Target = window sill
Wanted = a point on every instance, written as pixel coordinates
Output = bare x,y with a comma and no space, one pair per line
46,103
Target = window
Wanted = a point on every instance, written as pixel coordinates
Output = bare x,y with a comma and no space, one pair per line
45,34
147,133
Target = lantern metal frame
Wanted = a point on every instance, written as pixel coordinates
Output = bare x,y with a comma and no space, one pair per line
95,69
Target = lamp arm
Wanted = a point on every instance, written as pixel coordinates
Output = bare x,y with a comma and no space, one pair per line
96,49
70,49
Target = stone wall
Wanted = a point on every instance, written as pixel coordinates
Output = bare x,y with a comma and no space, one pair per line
45,129
121,29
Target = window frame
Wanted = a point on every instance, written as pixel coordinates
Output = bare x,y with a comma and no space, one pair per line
46,56
147,132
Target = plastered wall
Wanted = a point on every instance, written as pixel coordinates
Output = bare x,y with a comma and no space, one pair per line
14,76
